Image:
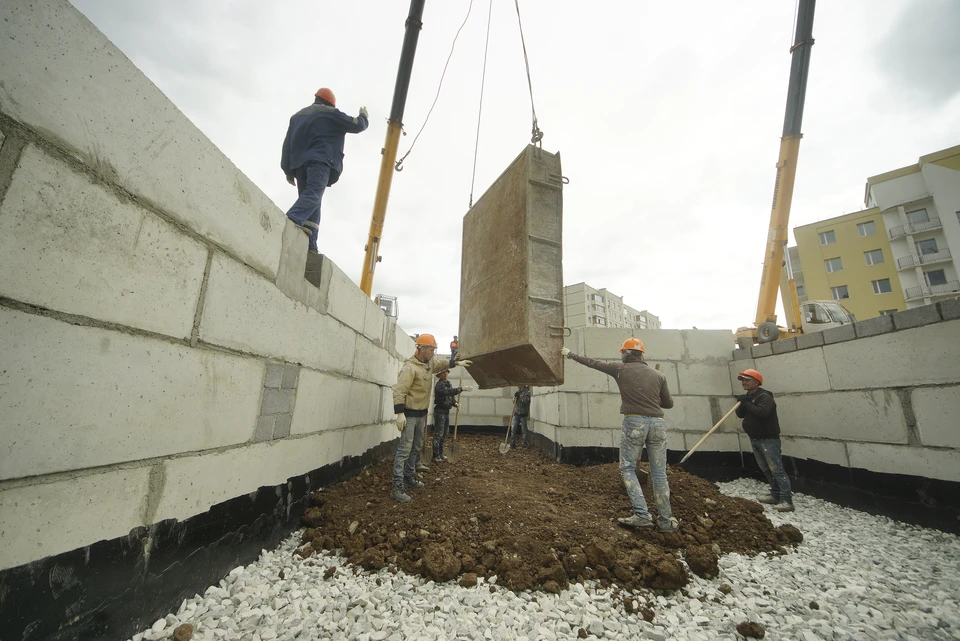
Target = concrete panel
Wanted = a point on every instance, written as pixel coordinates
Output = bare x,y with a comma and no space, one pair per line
832,452
676,441
362,438
801,371
874,326
937,410
51,518
806,341
874,416
838,334
733,424
580,378
588,437
105,397
922,356
374,322
914,461
196,483
689,413
345,301
285,329
403,343
373,363
386,404
603,410
916,317
482,406
703,379
669,370
504,406
784,345
704,344
548,431
660,344
949,309
572,410
71,246
716,443
293,265
511,276
764,349
153,151
327,402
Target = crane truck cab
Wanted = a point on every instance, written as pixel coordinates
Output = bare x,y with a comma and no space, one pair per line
818,315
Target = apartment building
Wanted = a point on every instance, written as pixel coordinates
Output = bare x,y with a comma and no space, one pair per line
585,306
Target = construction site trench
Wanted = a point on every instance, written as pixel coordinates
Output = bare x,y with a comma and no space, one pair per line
533,523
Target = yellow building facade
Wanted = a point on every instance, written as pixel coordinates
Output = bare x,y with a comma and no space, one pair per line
849,259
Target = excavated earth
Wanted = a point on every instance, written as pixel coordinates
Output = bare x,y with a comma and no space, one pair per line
533,523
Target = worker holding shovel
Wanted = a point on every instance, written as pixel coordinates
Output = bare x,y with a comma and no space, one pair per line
643,397
759,413
444,399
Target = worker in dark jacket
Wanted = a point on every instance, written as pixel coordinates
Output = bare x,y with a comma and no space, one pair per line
444,399
759,413
643,397
312,157
521,414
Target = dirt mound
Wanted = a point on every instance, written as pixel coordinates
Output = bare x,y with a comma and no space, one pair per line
532,522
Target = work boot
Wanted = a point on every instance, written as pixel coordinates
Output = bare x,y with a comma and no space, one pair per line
422,468
673,527
766,499
784,506
398,494
634,521
412,484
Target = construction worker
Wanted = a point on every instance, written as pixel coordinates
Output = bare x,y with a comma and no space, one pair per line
312,157
444,399
521,413
759,413
411,397
643,397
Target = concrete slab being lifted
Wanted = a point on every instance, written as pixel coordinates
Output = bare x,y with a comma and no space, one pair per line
511,277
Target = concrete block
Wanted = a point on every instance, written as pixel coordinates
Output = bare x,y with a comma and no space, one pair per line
831,452
326,402
925,355
572,410
273,378
676,441
733,424
716,443
290,374
785,345
277,401
504,406
362,438
106,397
689,414
936,410
196,483
916,317
51,518
386,404
69,245
704,344
742,354
345,301
152,151
482,406
373,363
735,368
548,431
547,408
374,322
872,416
806,341
603,410
293,277
660,344
669,370
838,334
580,378
949,309
282,427
704,379
801,371
913,461
761,350
285,329
264,430
874,326
403,343
588,437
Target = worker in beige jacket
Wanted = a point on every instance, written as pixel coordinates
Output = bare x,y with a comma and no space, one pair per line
411,399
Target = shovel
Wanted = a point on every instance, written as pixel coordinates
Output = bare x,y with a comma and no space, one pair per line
707,435
453,452
505,446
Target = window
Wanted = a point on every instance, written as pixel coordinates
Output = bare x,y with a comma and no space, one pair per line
867,229
833,265
887,312
801,290
936,277
874,256
882,286
827,237
917,216
928,246
597,297
840,292
601,321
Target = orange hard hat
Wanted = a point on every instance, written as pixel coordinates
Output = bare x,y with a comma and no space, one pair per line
325,94
426,340
634,344
751,373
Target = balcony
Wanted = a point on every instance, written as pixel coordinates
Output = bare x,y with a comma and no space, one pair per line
946,289
941,256
913,228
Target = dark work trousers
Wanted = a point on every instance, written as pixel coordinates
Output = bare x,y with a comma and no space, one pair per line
312,179
441,424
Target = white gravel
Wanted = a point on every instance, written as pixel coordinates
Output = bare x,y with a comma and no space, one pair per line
873,578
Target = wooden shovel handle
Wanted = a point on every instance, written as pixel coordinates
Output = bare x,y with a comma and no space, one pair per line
712,430
456,420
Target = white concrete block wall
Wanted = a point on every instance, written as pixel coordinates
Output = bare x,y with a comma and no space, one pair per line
800,371
937,411
329,402
832,452
928,462
703,379
867,415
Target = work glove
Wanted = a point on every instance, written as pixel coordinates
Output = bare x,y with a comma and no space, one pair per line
743,398
564,352
401,422
466,388
457,405
465,363
363,112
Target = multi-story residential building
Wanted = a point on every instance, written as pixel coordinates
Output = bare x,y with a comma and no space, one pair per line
920,204
585,306
848,259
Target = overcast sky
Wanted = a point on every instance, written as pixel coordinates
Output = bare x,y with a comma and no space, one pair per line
667,116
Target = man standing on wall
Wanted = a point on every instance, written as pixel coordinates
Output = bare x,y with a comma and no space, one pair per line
444,399
759,413
643,397
411,397
521,415
312,157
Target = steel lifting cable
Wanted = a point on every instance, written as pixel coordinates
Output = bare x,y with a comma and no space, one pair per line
483,79
535,134
398,165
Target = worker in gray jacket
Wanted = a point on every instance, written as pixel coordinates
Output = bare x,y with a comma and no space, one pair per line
643,397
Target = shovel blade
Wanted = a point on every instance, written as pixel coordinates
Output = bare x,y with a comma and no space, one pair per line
452,452
504,448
